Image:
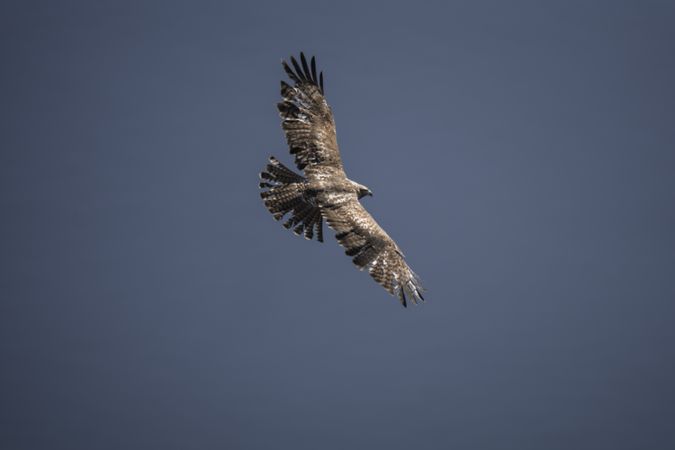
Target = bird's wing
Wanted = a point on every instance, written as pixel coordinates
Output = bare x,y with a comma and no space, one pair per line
371,247
308,122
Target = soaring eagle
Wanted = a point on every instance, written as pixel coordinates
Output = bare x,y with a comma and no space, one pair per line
325,192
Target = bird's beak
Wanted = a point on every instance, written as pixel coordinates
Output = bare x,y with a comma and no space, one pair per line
370,193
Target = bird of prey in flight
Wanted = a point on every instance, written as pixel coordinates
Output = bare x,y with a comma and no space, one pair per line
325,192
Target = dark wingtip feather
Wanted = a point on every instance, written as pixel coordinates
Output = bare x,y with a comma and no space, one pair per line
297,68
313,64
401,294
305,68
302,72
290,72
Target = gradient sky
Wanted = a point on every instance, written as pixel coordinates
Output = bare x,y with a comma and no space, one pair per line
521,153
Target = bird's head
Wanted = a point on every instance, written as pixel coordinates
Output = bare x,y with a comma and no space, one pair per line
364,192
361,190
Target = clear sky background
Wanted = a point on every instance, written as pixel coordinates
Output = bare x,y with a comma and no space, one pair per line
521,153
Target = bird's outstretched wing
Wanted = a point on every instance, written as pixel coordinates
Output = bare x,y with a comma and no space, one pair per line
371,247
308,121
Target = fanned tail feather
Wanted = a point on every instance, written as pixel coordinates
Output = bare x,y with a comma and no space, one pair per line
284,192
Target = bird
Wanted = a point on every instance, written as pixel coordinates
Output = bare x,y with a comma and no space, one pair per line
323,192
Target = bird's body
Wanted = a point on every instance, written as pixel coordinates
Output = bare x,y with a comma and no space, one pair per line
325,192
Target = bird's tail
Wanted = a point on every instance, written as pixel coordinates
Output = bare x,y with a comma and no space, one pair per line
284,191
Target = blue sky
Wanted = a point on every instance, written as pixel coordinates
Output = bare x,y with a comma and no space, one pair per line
521,154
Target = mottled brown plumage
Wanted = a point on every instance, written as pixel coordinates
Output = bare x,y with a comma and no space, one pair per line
325,192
